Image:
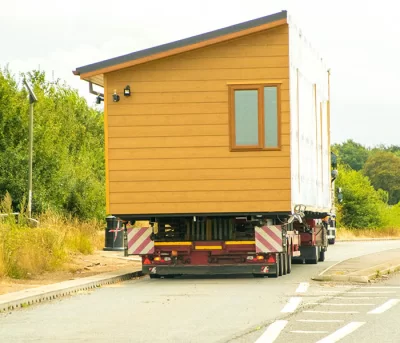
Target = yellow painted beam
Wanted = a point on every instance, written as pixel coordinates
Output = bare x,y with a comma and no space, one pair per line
239,242
172,243
208,247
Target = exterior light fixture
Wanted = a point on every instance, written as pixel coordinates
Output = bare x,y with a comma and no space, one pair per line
127,91
115,96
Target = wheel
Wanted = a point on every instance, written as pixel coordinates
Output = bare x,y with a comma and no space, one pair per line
289,261
331,241
280,264
284,264
278,268
322,256
315,254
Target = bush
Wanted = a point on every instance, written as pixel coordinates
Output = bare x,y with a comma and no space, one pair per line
362,205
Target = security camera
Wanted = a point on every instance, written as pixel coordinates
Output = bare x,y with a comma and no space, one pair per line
32,96
99,99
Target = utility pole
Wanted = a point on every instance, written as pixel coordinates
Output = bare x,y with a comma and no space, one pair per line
32,100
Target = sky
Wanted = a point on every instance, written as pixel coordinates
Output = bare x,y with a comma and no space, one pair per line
359,41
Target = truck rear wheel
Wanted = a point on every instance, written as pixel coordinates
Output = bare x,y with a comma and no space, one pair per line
315,256
284,264
280,264
322,256
289,261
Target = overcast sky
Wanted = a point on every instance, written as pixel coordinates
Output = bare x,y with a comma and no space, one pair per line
359,40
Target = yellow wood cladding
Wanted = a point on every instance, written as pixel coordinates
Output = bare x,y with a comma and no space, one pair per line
134,156
168,143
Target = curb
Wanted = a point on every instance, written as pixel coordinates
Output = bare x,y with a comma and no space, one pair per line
24,298
358,278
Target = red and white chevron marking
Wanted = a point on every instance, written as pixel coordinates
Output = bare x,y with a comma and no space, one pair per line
269,239
139,241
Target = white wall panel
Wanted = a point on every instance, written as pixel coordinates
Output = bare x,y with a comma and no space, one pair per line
310,172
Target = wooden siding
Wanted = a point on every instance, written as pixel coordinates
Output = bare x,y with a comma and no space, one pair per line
168,143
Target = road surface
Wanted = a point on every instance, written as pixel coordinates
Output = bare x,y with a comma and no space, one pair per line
229,309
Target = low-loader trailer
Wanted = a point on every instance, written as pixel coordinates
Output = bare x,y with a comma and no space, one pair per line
217,150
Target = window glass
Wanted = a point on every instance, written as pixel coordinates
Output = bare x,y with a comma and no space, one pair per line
246,117
270,117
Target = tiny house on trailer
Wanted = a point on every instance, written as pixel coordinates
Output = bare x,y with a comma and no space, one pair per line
222,142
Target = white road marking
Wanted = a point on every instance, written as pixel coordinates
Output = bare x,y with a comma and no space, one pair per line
301,331
272,332
331,312
292,305
302,287
332,304
387,305
320,320
342,332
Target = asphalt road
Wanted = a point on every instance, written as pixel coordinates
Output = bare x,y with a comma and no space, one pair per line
234,309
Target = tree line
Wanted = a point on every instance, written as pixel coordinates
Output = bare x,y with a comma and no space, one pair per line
370,182
68,147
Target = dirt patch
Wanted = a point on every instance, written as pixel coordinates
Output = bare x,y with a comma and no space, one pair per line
80,266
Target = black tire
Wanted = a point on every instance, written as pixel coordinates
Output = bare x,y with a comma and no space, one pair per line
154,276
331,241
289,261
314,260
284,264
321,256
280,264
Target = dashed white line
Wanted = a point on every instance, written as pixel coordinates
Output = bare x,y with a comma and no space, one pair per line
292,305
332,312
384,307
272,332
303,287
302,331
342,332
320,320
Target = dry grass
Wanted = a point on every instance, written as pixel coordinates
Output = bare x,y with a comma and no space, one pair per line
27,251
382,233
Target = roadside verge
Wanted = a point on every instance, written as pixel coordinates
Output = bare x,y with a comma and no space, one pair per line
363,268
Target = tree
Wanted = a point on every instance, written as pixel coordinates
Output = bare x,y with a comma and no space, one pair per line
68,147
361,203
383,169
351,153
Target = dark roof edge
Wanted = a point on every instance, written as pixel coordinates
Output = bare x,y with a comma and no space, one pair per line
181,43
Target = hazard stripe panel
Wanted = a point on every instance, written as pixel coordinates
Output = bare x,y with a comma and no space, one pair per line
269,239
139,241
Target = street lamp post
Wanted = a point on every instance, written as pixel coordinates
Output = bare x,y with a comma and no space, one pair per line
32,100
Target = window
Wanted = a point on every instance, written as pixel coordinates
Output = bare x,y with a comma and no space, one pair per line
254,117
